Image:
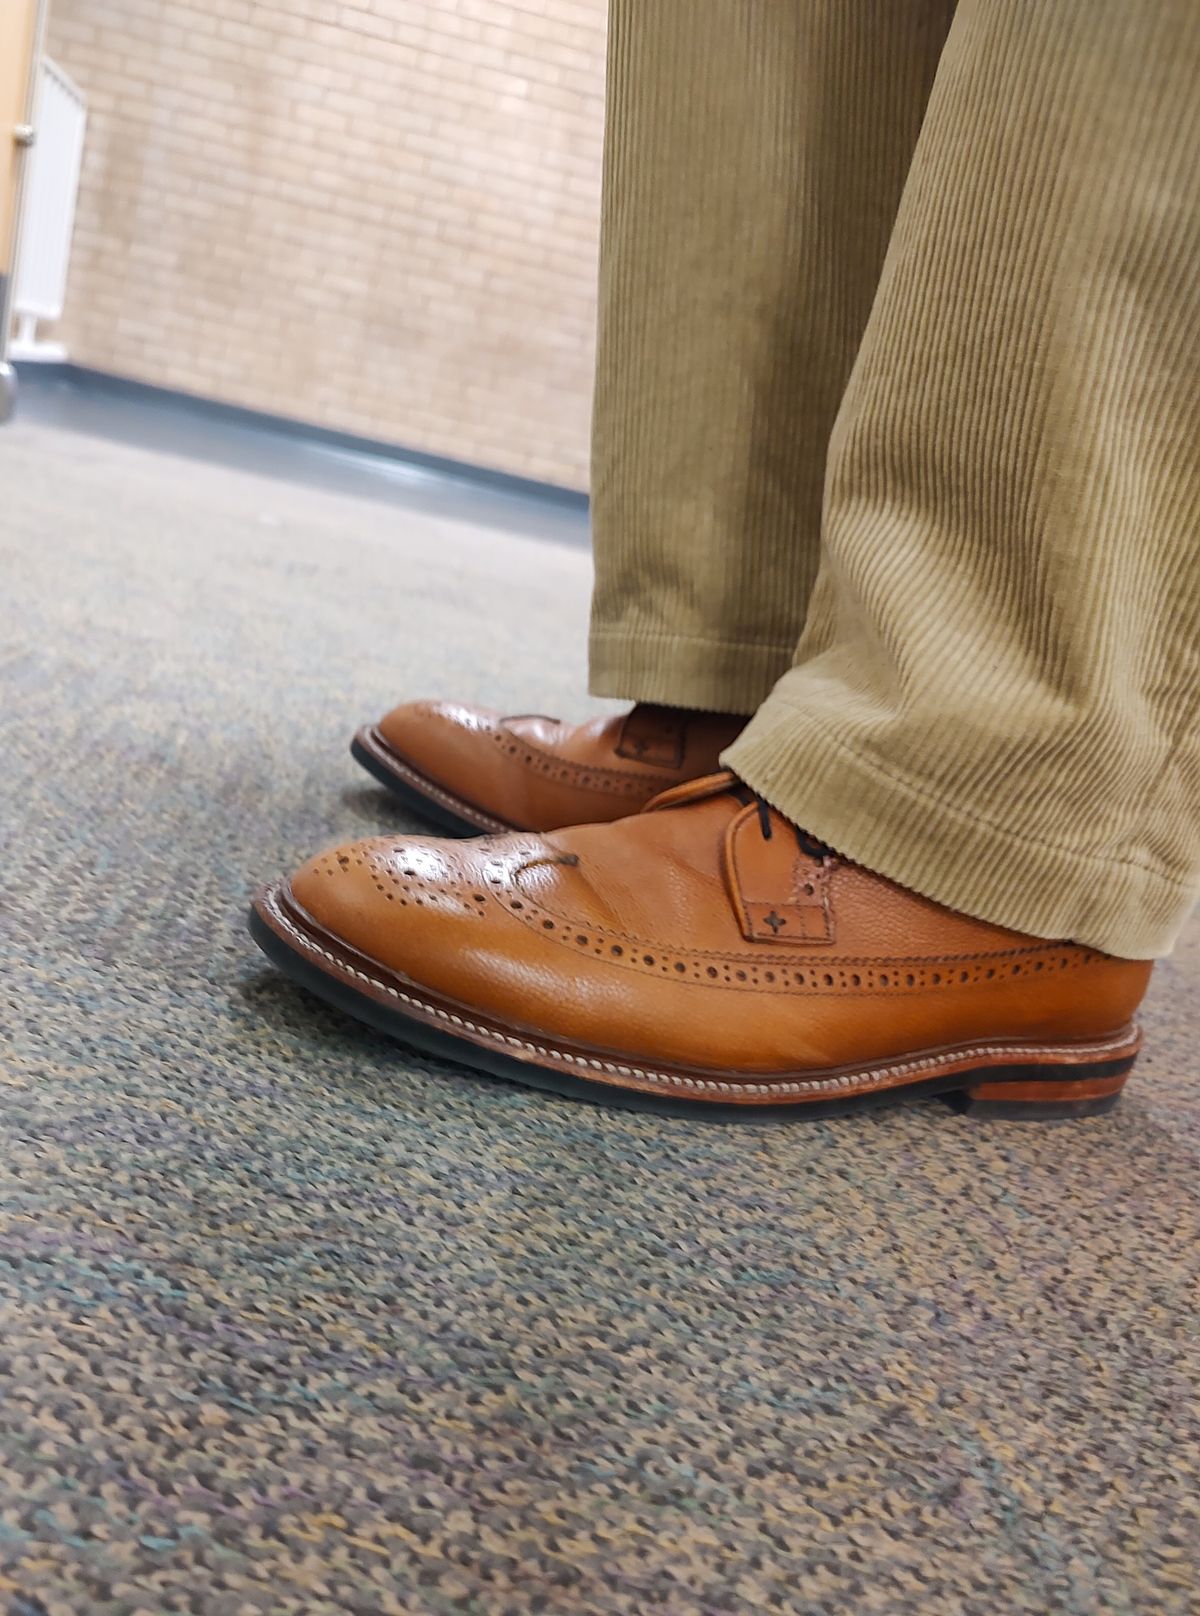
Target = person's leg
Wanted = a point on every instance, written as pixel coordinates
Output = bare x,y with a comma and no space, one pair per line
996,700
997,696
756,153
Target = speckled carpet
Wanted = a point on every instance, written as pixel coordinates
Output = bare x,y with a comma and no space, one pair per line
291,1321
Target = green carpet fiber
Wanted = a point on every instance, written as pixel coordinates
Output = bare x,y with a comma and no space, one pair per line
292,1320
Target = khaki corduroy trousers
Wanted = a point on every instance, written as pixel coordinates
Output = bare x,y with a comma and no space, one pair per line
897,432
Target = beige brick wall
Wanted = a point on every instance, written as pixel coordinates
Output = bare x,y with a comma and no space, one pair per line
379,215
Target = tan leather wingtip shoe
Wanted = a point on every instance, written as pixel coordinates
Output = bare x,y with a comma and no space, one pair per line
469,770
705,954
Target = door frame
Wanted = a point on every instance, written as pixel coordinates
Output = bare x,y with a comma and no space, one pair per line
23,24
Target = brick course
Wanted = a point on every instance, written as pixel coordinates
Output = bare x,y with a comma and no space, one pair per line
379,216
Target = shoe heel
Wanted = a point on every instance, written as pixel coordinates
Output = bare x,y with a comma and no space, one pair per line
1043,1100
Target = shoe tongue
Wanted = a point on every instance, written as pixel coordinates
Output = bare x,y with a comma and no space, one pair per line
653,735
708,785
714,785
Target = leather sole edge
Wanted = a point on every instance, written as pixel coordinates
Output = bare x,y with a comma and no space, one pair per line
1072,1080
417,791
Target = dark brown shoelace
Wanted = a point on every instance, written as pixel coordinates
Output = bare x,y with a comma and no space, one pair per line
808,844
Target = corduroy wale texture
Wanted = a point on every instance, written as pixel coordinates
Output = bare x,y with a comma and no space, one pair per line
977,650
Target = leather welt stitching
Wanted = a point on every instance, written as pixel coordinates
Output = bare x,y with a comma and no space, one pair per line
868,1077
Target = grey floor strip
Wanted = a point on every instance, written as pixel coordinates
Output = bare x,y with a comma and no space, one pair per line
82,400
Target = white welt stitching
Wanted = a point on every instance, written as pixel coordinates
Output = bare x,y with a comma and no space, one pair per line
868,1077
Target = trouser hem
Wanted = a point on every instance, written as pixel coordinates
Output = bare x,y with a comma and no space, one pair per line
717,676
885,819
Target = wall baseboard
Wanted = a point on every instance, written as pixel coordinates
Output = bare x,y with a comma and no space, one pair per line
66,378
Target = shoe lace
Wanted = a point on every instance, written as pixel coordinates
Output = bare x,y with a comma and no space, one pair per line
808,844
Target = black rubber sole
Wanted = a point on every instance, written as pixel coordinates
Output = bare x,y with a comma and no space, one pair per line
493,1063
411,796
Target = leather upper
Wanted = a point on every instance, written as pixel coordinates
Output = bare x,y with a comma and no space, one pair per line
704,932
540,773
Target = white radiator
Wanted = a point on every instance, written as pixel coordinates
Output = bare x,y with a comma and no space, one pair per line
48,214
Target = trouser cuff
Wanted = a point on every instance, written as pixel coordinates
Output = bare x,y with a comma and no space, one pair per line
883,818
712,675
